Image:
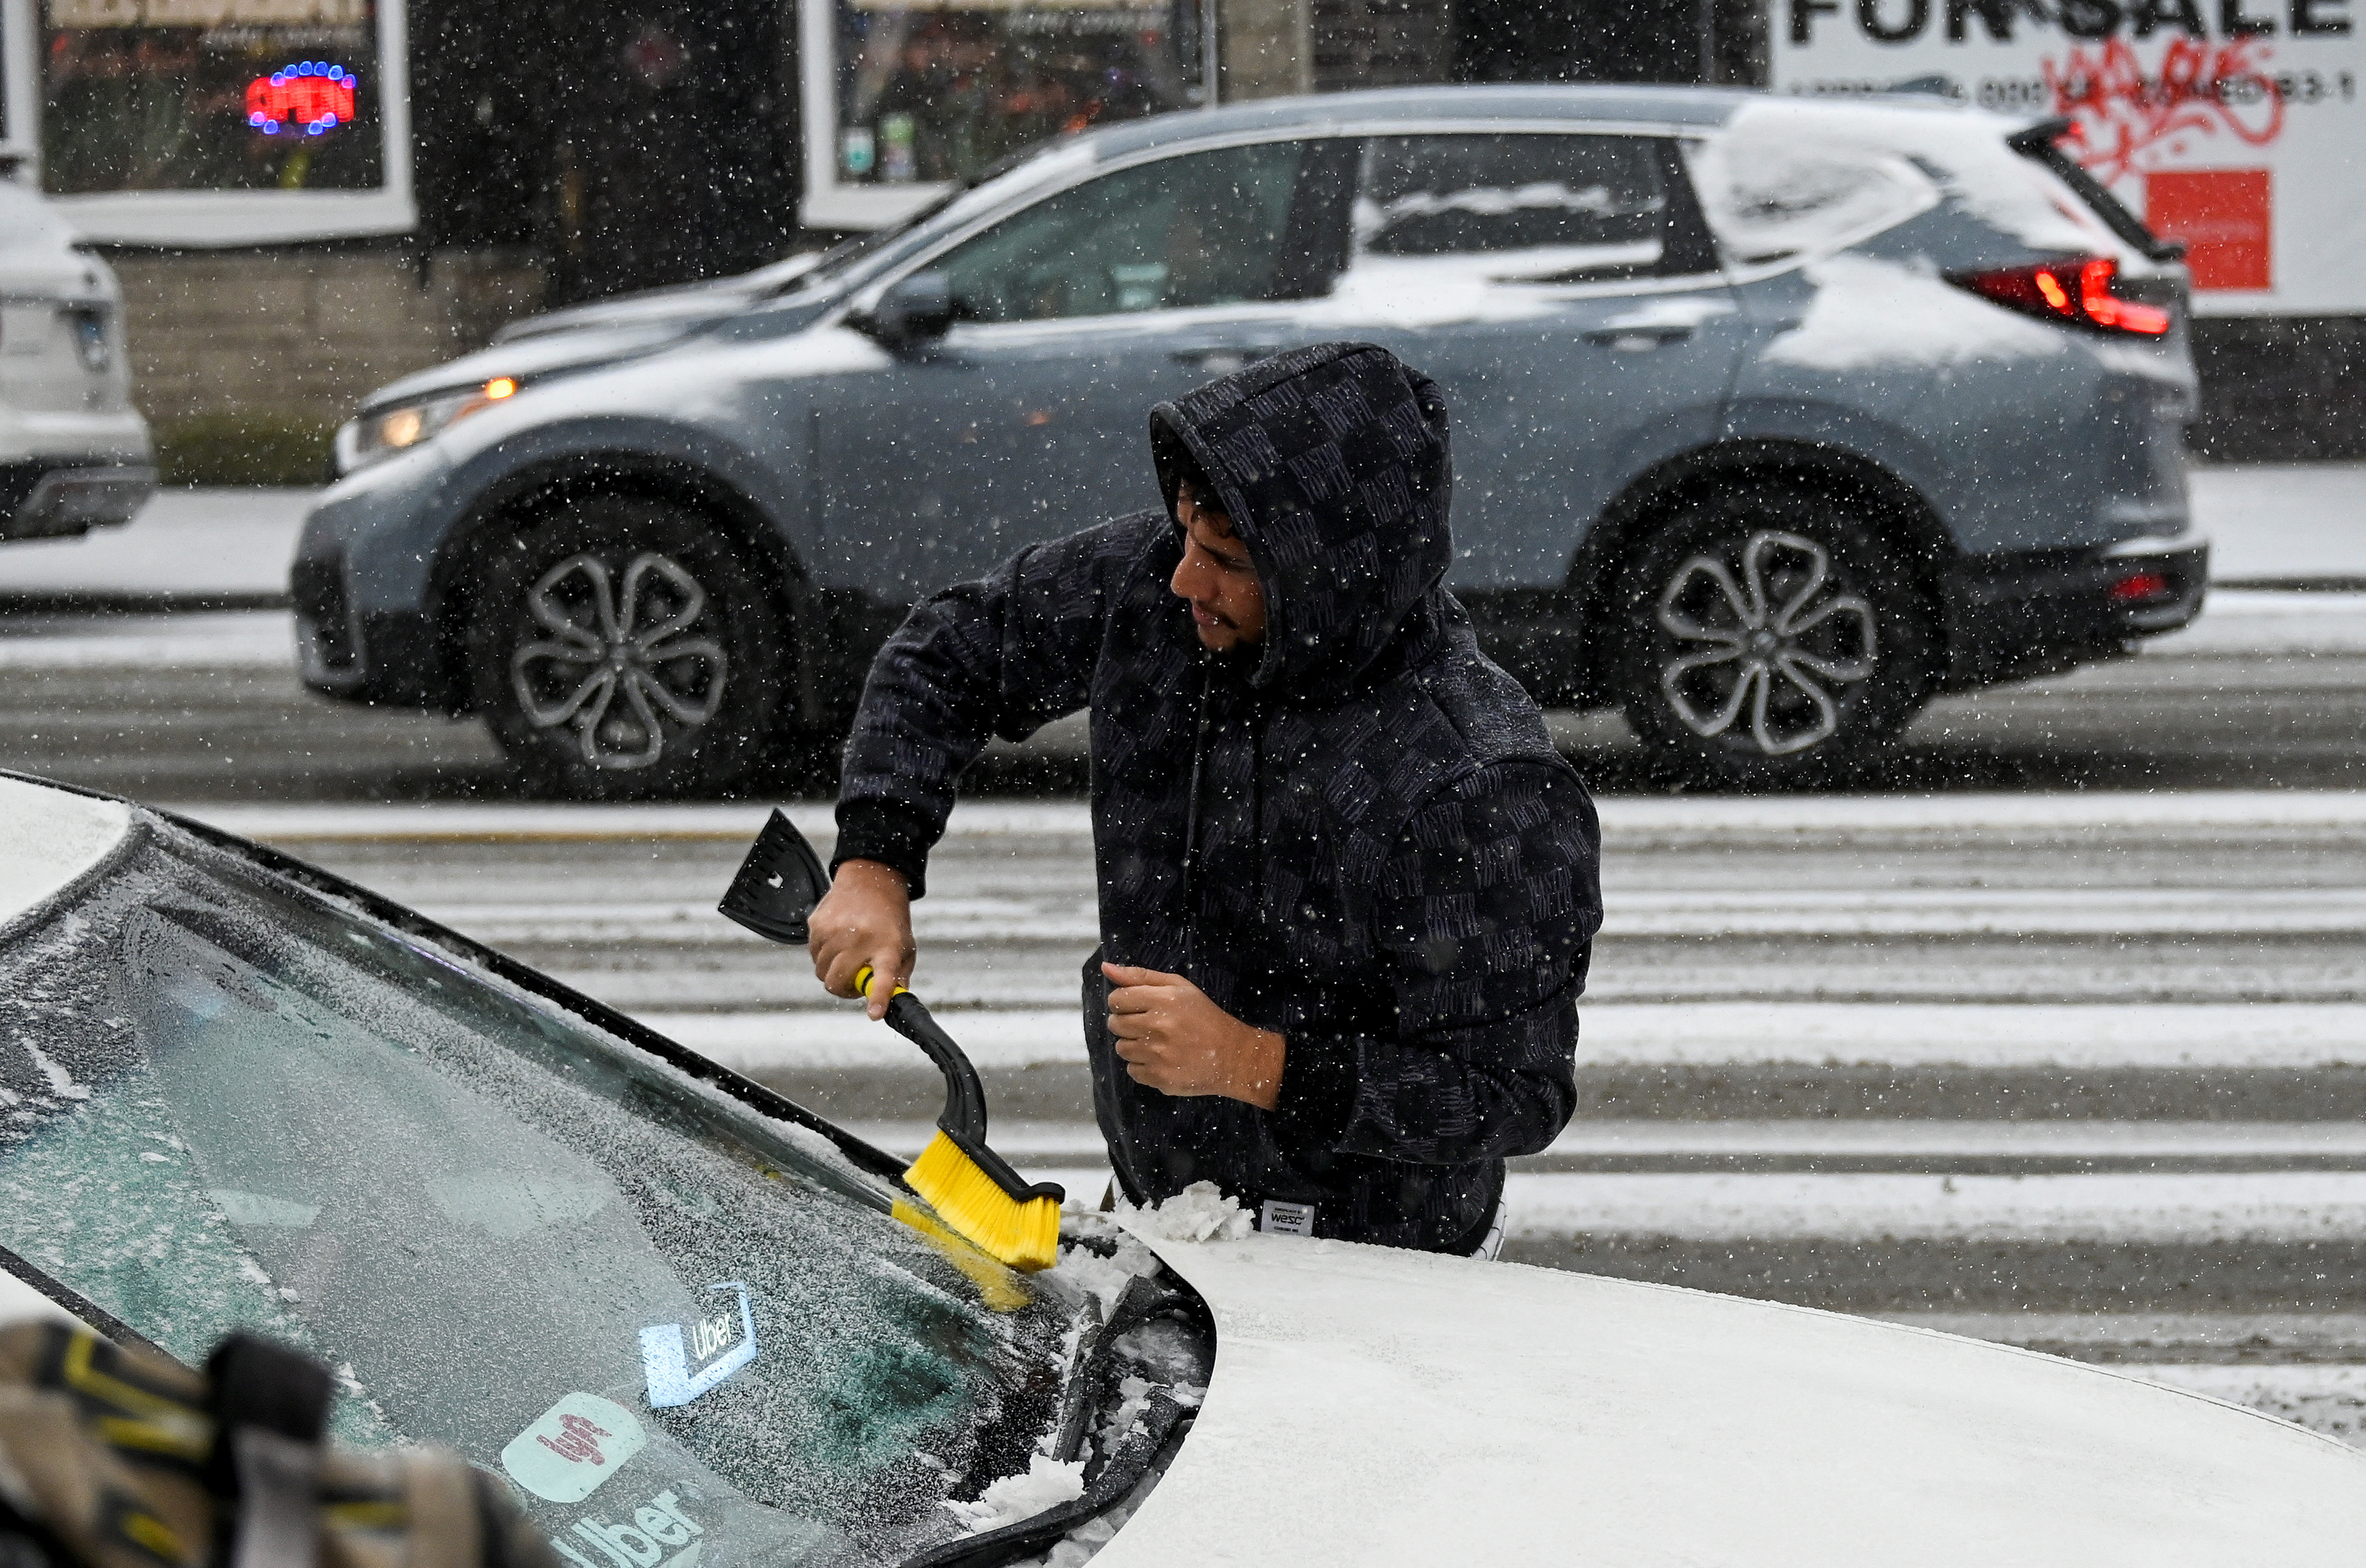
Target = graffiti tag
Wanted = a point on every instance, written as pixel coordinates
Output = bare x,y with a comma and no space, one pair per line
2125,117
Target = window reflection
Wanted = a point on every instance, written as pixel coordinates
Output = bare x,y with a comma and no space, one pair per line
1211,229
1538,206
935,94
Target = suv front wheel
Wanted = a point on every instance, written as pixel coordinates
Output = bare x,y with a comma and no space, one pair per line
1770,640
621,648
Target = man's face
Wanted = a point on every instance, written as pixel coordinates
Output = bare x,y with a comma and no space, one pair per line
1216,575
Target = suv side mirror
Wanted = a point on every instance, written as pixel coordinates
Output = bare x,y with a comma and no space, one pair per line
913,310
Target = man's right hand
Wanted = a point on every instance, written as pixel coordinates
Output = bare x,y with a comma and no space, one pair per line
865,918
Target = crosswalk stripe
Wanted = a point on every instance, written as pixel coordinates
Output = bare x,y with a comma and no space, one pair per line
831,1034
1789,819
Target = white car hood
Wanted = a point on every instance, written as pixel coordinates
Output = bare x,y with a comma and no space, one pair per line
1372,1406
48,838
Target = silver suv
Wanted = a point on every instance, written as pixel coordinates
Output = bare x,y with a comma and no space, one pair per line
1773,418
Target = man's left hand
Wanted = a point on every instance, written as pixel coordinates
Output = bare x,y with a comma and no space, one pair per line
1177,1041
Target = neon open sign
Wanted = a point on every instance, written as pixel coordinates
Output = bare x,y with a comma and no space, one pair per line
312,96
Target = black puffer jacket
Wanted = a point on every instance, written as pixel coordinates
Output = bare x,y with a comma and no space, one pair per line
1386,860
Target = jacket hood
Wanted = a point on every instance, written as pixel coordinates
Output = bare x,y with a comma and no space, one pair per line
1332,462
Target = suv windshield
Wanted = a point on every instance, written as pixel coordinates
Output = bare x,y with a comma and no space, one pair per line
1028,169
678,1326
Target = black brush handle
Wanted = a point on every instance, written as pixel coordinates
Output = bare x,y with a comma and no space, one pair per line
964,1096
964,1117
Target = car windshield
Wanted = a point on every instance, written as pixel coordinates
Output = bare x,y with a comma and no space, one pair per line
678,1326
863,255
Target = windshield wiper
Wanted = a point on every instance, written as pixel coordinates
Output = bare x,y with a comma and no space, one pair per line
1103,1362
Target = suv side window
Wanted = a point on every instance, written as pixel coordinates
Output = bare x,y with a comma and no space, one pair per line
1540,207
1205,228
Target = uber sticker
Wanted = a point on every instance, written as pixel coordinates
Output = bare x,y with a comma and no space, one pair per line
577,1444
654,1531
683,1362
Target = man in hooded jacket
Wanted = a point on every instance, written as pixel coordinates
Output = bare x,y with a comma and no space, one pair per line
1348,887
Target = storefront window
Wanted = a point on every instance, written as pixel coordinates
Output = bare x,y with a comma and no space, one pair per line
223,121
927,96
210,96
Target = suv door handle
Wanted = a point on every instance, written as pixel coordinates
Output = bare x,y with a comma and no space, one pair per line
1637,340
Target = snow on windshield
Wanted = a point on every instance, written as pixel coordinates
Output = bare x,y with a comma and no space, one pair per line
251,1109
1794,176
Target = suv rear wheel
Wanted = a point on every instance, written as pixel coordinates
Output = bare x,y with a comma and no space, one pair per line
1770,640
620,647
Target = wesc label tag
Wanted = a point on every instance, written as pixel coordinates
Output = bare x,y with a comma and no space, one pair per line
577,1444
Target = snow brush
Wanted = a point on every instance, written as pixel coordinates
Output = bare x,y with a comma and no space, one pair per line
973,1190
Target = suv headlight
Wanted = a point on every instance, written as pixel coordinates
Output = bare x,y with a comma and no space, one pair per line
382,433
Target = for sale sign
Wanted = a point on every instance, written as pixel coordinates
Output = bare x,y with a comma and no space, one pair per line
2235,125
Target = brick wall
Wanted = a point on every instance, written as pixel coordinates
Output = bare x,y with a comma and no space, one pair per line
303,333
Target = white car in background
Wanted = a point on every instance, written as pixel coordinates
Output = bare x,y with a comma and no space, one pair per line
75,453
692,1322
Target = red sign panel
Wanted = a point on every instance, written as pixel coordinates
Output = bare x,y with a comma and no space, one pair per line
2224,217
310,98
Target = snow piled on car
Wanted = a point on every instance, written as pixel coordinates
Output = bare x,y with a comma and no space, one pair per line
1791,178
1099,1258
1044,1485
49,838
1868,313
1198,1213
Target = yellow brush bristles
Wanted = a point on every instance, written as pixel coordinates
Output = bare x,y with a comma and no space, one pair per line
975,1207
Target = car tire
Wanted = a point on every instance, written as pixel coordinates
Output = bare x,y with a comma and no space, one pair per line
622,648
1770,641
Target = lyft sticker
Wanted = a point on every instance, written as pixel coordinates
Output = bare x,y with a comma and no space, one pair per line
681,1362
577,1444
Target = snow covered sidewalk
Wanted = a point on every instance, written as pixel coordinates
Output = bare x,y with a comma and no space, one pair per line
2271,525
2284,525
222,547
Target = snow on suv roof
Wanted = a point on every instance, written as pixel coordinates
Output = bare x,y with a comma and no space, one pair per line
1702,106
48,838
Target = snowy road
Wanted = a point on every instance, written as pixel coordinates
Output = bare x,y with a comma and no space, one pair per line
2268,690
1803,1076
2078,1069
2267,524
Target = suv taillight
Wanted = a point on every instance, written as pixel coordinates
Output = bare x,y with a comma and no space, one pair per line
2077,290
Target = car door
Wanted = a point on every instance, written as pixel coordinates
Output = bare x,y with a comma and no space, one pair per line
1074,315
1561,289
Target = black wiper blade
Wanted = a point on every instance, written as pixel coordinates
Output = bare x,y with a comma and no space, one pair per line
1094,1393
1086,1393
1146,1450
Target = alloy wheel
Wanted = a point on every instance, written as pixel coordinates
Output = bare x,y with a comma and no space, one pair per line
630,663
1766,655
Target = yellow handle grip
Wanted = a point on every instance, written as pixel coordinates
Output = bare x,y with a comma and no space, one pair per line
863,982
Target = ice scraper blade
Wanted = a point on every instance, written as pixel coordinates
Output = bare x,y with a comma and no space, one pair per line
777,885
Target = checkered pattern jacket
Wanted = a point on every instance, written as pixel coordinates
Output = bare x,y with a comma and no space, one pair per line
1386,860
